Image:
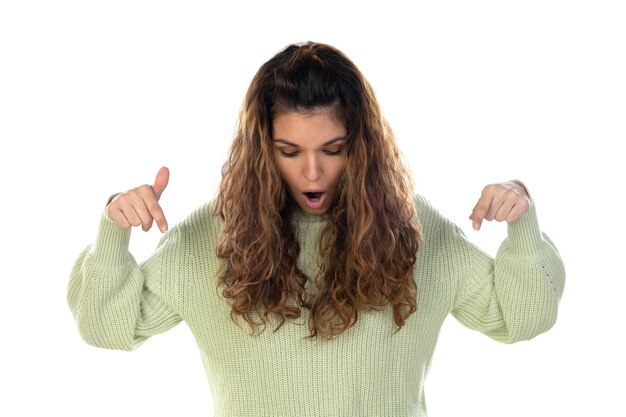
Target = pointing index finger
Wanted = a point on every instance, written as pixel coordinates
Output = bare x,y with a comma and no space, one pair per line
157,214
480,210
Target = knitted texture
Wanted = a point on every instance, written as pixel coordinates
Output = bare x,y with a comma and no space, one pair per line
370,370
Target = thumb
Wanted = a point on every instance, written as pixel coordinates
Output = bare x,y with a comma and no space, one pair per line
160,182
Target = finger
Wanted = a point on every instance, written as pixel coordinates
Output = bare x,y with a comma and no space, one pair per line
148,209
116,215
143,214
156,213
137,217
141,207
492,210
518,209
123,206
479,212
151,209
133,206
160,182
513,205
504,210
498,202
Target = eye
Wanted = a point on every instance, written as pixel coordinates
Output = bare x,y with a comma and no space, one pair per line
333,152
288,154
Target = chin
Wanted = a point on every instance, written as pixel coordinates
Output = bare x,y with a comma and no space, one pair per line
309,210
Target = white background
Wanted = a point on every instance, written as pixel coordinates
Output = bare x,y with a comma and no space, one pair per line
96,96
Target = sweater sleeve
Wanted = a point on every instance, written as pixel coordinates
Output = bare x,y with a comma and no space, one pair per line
515,296
118,304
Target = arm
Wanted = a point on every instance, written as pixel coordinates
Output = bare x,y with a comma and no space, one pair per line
117,303
514,296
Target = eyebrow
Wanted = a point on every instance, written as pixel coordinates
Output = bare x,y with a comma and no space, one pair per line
337,139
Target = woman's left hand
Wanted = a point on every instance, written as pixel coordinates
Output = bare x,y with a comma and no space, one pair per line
504,201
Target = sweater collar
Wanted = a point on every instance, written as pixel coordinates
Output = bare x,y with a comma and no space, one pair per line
302,216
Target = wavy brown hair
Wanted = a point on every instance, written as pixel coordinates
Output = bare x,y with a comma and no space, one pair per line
368,246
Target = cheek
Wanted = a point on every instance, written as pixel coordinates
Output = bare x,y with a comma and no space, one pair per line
342,165
285,172
338,170
278,160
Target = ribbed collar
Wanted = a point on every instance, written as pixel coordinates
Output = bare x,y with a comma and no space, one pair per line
302,216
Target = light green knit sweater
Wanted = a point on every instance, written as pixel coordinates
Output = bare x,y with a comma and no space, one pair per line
370,370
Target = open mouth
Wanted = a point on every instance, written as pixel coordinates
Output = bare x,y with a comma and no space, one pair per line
314,196
314,199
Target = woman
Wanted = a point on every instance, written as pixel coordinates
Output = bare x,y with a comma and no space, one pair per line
316,283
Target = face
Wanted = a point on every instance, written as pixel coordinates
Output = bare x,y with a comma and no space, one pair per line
309,149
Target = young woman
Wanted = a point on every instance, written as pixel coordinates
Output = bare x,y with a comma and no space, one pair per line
316,282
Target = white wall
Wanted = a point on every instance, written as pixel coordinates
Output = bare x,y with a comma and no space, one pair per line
96,96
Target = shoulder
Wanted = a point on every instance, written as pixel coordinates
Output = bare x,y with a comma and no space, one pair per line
201,226
439,234
429,218
203,217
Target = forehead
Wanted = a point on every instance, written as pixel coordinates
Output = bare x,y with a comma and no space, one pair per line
315,126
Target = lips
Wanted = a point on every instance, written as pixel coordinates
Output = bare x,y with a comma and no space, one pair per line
313,195
314,199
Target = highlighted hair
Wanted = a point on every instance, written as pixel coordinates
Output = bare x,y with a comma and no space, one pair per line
368,246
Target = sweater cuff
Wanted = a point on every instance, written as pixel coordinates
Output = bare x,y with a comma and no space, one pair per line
111,247
524,235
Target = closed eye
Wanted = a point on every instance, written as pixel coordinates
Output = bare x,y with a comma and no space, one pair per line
288,154
333,152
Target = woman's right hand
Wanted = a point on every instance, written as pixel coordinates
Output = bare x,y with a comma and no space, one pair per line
140,206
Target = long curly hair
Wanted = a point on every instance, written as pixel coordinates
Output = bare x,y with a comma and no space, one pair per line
367,248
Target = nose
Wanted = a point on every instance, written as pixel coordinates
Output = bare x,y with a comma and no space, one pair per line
312,170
